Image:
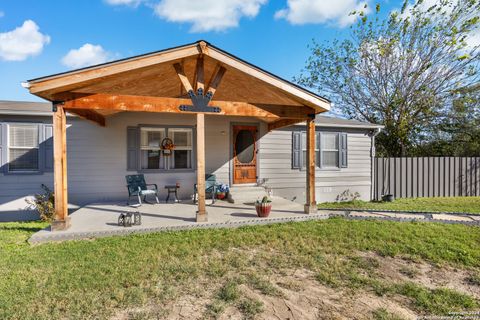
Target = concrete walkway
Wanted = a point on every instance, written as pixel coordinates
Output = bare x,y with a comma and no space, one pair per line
469,219
100,220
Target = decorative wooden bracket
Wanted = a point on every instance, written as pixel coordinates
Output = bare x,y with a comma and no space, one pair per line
200,100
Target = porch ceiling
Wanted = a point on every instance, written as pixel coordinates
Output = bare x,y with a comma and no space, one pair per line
151,80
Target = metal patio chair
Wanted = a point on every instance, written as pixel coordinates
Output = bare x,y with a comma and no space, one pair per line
210,187
137,187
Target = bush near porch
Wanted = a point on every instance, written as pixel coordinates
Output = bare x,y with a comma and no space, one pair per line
438,204
243,271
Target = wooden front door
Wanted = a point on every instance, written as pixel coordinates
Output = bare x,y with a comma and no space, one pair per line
244,154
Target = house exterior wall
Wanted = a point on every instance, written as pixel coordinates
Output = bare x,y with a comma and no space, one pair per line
97,162
276,166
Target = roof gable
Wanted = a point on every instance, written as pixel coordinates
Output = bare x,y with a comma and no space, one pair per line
153,75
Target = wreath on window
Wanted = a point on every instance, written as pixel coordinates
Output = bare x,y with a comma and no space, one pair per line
167,146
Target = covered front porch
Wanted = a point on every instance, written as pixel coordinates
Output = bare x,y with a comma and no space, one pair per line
171,86
100,219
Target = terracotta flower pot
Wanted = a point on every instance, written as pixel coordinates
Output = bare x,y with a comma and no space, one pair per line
263,209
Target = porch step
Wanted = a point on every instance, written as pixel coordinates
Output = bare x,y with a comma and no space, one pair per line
241,194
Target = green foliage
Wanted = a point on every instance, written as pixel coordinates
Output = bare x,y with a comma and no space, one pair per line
96,279
229,292
401,70
44,204
438,204
250,307
383,314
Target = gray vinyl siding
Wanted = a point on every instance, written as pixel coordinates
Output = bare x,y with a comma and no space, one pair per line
276,166
97,162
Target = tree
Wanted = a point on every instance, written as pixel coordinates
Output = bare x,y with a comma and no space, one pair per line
401,70
458,132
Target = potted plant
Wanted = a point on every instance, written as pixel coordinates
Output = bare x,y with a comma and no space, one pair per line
263,207
222,191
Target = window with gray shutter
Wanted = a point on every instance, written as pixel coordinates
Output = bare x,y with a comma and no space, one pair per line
343,150
23,147
132,148
47,147
296,150
2,147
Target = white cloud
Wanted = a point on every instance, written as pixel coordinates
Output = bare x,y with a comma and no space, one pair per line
132,3
319,11
23,42
86,55
208,15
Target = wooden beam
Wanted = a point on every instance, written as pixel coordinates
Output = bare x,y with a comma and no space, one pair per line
283,123
295,92
183,77
199,74
62,220
47,86
311,204
216,79
170,105
202,212
89,115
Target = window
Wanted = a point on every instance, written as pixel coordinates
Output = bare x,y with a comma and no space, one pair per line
23,147
151,153
329,150
182,154
304,149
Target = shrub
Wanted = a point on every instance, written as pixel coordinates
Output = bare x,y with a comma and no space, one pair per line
44,203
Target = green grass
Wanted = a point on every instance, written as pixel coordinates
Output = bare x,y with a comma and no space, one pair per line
95,279
457,204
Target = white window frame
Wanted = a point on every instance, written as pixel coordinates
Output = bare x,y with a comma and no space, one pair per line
322,165
37,125
168,164
303,148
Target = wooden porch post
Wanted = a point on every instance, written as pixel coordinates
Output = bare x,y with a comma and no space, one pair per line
311,204
62,220
201,213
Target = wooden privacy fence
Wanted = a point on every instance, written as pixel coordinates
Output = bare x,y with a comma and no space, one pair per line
412,177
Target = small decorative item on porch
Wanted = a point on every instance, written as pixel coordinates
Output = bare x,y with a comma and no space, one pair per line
127,219
167,146
222,191
263,207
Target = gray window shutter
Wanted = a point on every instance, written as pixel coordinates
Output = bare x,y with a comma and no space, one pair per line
132,149
296,150
47,146
343,150
3,147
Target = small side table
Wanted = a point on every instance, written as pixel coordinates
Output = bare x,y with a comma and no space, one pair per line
172,189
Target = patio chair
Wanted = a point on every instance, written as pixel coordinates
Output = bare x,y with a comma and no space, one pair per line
210,187
137,187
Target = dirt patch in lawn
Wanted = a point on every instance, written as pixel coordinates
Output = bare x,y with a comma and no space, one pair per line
298,294
427,275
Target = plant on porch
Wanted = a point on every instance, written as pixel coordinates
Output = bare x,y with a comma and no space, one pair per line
44,204
263,207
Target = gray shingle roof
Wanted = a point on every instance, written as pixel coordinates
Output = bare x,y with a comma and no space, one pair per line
328,121
25,108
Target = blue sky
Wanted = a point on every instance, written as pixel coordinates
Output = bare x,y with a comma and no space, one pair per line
39,38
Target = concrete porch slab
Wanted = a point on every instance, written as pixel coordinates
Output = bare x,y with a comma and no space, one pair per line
100,220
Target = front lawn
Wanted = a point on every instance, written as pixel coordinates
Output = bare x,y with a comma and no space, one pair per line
454,204
246,271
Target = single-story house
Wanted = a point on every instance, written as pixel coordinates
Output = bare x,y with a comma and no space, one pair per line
245,125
